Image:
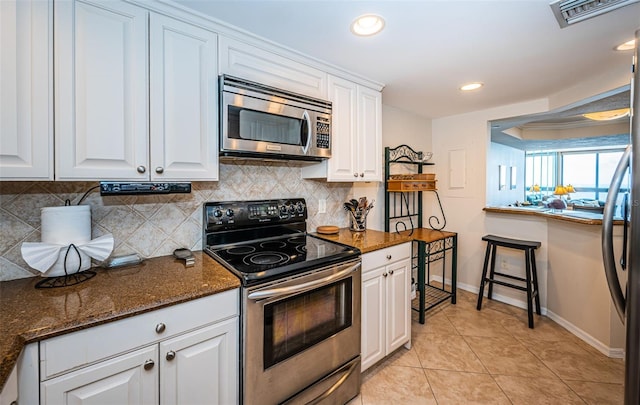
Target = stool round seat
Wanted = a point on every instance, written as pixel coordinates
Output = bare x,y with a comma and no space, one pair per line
531,276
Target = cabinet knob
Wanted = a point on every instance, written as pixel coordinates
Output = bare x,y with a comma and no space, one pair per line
384,274
361,174
391,272
388,257
159,169
171,355
141,169
148,365
355,174
160,327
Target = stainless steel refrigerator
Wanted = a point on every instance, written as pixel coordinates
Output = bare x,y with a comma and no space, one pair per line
627,302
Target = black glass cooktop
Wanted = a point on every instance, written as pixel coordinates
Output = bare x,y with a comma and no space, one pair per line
259,261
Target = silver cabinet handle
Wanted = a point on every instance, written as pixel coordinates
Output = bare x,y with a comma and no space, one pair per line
141,169
148,365
391,272
160,327
388,257
171,355
384,274
159,169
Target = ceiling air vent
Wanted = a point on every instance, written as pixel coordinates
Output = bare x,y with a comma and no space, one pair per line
569,12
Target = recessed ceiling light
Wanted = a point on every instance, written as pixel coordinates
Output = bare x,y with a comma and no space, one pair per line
471,86
368,24
607,115
627,46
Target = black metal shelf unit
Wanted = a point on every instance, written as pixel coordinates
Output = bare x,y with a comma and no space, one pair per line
404,210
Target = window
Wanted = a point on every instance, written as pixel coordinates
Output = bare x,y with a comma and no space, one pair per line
540,169
589,172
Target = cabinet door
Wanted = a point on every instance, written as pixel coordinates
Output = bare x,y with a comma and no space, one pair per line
398,309
183,101
343,165
266,67
124,380
369,149
373,314
26,90
201,364
101,90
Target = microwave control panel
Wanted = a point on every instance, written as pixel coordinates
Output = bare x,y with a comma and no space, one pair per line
323,133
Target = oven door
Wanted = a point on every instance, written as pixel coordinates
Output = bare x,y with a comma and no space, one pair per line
300,330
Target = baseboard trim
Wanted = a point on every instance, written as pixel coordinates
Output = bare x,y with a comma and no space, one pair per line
612,352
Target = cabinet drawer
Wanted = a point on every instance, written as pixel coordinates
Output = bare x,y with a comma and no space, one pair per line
385,256
77,349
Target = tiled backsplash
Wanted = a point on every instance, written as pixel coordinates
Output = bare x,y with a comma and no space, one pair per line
156,225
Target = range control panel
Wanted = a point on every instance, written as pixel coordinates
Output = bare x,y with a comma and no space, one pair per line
243,214
119,188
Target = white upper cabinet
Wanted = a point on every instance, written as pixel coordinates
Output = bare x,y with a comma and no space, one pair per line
369,135
266,67
101,87
356,135
26,90
183,101
135,100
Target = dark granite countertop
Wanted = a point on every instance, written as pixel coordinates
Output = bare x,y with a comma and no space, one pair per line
370,240
366,241
29,315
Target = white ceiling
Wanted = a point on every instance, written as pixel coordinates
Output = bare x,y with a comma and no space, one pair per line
431,47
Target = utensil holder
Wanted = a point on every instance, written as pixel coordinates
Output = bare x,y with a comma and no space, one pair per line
357,224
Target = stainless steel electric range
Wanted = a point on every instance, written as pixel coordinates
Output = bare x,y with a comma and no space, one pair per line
300,305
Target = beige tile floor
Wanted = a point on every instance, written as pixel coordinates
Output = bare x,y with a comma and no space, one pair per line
464,356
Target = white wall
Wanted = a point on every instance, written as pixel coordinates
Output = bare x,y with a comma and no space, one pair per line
469,134
398,127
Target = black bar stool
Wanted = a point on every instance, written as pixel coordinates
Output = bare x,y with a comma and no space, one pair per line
531,278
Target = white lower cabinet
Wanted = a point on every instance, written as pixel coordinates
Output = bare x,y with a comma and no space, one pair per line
386,302
127,379
198,367
183,354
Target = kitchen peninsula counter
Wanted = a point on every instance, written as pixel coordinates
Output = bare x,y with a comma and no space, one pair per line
29,315
575,216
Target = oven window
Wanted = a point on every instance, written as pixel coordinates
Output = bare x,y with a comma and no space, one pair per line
261,126
299,322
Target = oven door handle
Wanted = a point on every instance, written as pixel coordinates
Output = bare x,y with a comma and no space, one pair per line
280,291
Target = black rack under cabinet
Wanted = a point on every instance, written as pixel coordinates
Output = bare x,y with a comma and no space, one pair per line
404,210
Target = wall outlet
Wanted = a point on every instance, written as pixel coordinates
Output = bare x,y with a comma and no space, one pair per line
322,206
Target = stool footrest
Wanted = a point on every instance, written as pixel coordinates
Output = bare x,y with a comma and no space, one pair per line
517,287
495,273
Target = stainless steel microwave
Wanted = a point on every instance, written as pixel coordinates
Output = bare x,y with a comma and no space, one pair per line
258,121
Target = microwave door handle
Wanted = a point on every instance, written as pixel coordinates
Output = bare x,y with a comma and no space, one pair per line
305,133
